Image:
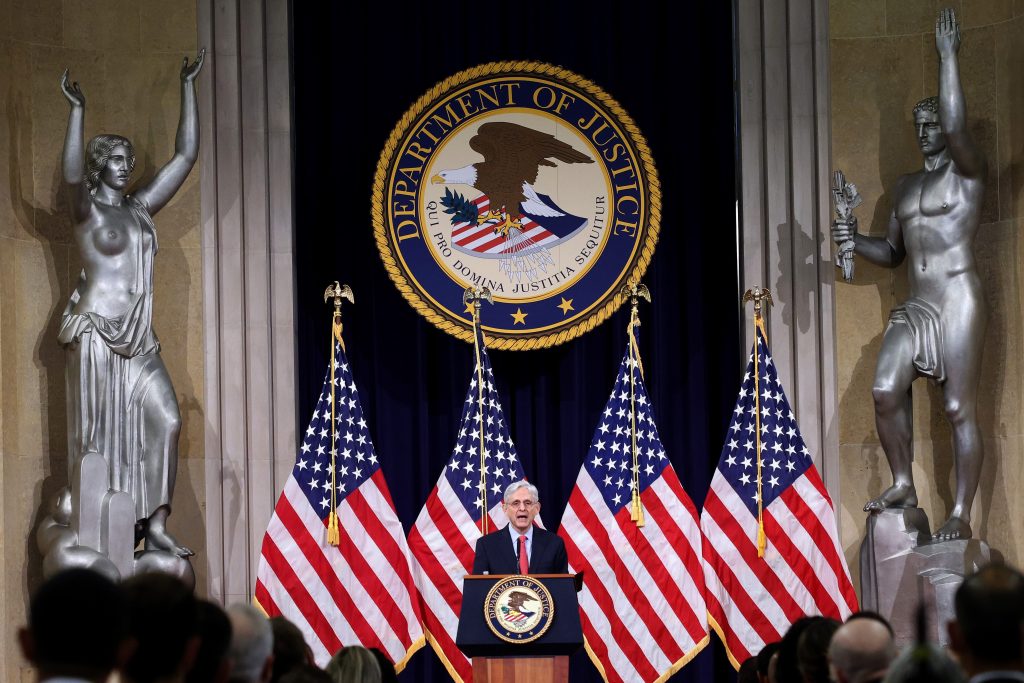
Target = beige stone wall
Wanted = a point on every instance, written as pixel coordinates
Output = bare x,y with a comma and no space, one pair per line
883,60
126,54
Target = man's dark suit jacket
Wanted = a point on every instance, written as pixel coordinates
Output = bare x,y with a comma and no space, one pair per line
495,554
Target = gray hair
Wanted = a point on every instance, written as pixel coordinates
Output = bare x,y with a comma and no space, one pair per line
353,664
252,642
521,484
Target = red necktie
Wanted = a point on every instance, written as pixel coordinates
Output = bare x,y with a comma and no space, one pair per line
524,561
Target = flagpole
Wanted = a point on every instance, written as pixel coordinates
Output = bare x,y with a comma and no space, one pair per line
336,292
635,292
474,295
757,295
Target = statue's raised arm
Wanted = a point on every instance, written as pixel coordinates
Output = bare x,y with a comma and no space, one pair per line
73,161
965,153
155,194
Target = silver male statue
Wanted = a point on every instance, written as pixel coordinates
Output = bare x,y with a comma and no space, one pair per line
121,405
939,331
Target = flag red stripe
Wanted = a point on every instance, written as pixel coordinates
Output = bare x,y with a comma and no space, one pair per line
314,554
737,593
679,547
733,586
434,570
463,667
438,575
490,244
687,552
824,545
627,582
291,584
800,566
366,576
393,554
829,547
266,600
740,538
449,530
597,645
467,232
619,633
733,643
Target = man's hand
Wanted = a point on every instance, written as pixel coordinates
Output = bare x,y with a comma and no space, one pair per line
844,230
947,34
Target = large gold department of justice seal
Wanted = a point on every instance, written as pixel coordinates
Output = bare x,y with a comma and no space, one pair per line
519,609
528,180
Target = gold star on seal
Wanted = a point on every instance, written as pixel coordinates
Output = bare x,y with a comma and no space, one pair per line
519,318
469,308
566,306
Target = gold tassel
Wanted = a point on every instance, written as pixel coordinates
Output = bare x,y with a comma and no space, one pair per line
637,515
762,542
333,537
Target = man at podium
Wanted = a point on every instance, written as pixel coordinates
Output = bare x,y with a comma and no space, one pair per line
521,547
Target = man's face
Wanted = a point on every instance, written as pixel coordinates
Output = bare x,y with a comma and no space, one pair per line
118,168
930,137
521,508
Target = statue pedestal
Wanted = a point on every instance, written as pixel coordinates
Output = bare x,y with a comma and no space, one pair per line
900,566
93,527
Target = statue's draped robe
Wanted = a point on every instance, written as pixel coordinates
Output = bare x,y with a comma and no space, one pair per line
112,363
925,326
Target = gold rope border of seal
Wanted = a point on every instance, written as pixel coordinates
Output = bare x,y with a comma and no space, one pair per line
465,332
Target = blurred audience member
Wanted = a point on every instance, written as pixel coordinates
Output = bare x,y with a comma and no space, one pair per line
387,668
290,649
353,664
213,664
163,618
748,671
924,663
812,650
252,645
786,669
872,616
307,673
861,651
764,657
77,628
986,634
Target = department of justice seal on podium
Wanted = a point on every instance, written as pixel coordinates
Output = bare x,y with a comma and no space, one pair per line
519,609
528,180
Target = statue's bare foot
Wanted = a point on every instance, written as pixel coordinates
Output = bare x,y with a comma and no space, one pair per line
161,540
896,496
953,529
157,537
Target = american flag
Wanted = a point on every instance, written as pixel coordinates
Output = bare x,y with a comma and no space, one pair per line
361,591
642,604
753,600
443,540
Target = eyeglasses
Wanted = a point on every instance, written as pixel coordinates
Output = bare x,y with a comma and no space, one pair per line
515,504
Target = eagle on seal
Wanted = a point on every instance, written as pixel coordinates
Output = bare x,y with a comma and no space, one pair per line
513,155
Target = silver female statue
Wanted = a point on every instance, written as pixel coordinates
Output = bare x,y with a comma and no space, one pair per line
121,404
939,331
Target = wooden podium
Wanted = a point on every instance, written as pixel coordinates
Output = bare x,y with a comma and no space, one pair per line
544,659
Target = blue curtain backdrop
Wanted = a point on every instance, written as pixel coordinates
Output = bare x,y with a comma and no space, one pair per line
357,68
